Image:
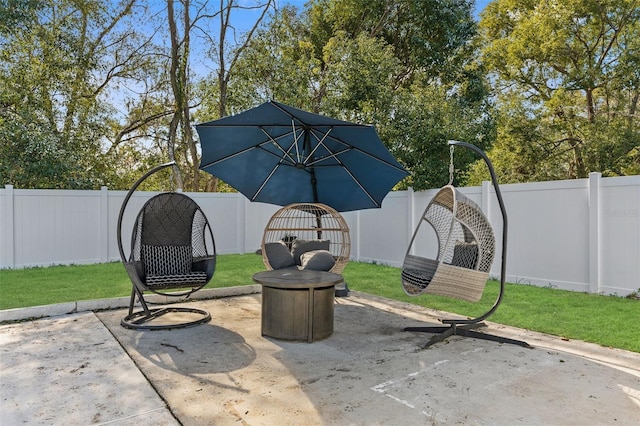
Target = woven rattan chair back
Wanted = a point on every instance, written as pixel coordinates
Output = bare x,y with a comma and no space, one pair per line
309,221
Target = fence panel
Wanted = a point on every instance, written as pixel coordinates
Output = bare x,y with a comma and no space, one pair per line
548,234
581,235
619,235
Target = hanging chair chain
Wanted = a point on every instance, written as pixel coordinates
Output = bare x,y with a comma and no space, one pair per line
451,167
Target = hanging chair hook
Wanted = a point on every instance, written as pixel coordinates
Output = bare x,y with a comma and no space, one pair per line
451,166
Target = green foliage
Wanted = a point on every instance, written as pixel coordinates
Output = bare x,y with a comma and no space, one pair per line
360,60
405,67
425,34
359,73
567,84
56,65
425,118
17,14
86,99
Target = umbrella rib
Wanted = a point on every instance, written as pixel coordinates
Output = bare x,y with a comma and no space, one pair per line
275,142
220,160
265,182
235,154
334,155
320,143
346,169
350,147
362,187
295,139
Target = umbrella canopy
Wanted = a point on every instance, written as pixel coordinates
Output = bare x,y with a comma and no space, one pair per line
278,154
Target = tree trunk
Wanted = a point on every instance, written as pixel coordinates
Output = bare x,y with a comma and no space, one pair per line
225,14
578,160
183,95
171,144
591,112
175,86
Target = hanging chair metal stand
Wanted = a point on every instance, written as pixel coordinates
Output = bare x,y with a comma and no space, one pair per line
466,327
203,266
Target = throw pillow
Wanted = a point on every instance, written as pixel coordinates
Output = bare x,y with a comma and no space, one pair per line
166,260
465,255
302,246
317,260
278,255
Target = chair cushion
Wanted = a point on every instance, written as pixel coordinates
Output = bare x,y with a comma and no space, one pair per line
317,260
416,277
465,255
278,255
166,260
176,281
299,247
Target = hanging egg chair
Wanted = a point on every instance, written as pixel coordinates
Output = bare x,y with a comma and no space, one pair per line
465,253
172,254
466,250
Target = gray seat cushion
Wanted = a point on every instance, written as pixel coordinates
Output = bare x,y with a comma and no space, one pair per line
176,281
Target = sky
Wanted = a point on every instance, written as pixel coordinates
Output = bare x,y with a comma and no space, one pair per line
480,5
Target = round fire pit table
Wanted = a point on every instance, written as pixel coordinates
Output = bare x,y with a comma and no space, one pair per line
297,304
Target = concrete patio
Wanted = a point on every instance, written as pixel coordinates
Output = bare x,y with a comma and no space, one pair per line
84,368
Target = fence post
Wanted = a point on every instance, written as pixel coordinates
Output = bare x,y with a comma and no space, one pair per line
410,217
104,224
8,234
594,232
355,237
485,204
241,224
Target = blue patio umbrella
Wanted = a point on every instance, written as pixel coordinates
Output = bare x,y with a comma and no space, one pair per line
278,154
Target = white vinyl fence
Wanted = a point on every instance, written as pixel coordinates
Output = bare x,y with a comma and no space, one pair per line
581,235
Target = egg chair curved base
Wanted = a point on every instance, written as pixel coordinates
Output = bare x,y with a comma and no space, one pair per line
466,330
141,320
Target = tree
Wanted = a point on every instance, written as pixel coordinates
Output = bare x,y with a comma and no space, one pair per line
182,86
425,34
278,63
568,80
425,118
404,66
377,62
59,59
91,95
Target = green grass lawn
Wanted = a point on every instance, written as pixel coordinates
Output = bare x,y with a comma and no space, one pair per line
606,320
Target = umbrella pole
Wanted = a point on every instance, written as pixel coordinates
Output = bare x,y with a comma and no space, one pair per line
314,181
319,225
312,171
315,200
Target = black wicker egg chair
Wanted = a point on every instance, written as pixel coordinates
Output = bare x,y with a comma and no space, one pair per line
172,254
